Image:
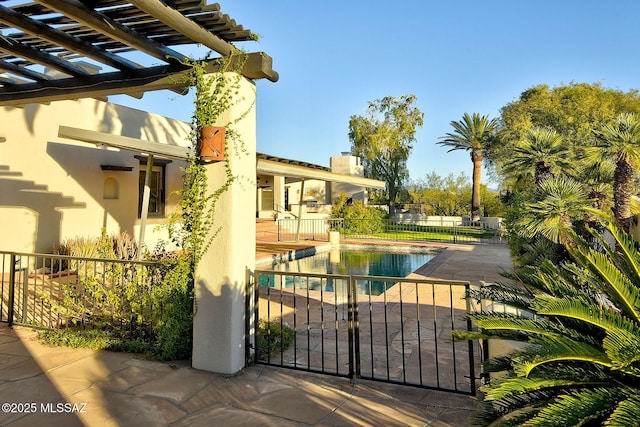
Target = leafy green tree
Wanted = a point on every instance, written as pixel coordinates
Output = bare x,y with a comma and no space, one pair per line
439,195
356,217
450,195
620,141
575,111
472,134
384,138
579,323
491,202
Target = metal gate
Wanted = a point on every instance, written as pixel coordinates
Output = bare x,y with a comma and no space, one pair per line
388,329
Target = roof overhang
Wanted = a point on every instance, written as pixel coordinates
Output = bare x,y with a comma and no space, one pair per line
265,164
272,167
125,143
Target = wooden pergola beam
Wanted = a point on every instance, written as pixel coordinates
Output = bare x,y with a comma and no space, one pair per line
172,77
59,34
22,71
77,11
71,43
40,57
183,25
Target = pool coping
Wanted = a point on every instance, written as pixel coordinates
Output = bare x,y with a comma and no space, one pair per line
292,255
313,249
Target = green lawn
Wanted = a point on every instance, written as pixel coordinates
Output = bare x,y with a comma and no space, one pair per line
417,232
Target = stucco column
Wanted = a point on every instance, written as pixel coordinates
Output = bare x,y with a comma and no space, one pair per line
278,193
219,323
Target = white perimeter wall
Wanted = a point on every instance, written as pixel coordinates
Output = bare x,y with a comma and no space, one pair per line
420,219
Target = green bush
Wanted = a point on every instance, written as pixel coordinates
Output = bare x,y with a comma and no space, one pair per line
578,322
273,337
356,217
122,306
102,292
173,300
95,339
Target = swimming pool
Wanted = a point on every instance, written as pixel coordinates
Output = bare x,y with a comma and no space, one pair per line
360,261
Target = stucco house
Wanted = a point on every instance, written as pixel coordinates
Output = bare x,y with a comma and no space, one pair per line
54,187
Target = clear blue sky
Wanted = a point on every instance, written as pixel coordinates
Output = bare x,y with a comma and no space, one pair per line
456,56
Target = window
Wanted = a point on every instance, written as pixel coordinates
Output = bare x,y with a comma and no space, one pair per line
157,187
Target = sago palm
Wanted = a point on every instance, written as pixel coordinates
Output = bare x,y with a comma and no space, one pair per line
472,134
580,325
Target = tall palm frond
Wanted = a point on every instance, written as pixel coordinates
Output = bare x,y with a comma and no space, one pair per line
627,413
616,271
620,142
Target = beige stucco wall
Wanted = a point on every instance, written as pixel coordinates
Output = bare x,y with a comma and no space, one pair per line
348,165
51,188
314,190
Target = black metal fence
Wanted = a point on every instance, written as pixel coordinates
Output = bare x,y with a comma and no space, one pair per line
437,230
53,291
388,329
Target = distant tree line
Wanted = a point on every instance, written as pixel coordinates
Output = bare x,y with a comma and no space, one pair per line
449,196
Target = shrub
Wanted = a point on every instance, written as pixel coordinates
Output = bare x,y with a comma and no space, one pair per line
173,300
95,339
356,217
273,338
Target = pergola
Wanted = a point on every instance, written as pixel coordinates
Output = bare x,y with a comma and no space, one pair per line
67,49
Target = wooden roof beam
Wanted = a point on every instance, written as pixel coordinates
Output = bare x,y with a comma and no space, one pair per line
77,11
183,25
92,86
35,55
22,71
256,66
125,143
70,43
291,170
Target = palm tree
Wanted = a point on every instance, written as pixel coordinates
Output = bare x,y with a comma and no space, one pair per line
559,202
597,182
620,141
542,152
580,325
472,134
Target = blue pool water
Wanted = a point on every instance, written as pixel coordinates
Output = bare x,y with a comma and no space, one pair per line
362,261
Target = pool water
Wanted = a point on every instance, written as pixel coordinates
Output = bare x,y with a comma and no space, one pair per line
371,261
